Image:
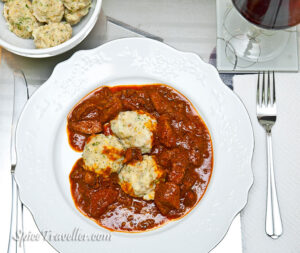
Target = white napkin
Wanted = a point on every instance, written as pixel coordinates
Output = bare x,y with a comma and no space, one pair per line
286,151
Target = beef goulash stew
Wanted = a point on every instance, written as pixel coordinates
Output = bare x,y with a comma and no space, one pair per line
147,156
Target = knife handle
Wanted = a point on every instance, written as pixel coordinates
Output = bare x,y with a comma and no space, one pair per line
16,242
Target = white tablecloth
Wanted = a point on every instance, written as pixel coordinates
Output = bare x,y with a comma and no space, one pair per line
188,25
286,148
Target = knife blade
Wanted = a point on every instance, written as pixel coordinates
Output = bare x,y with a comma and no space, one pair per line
133,29
21,96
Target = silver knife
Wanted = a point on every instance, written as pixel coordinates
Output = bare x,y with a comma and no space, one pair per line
21,95
133,29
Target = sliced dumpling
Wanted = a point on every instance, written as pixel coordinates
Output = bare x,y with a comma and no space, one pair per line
135,129
103,154
48,11
51,35
18,14
139,179
74,5
73,17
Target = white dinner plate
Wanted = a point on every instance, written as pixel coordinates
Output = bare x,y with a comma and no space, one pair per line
45,158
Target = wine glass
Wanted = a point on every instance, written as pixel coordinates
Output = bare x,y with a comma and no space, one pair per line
259,30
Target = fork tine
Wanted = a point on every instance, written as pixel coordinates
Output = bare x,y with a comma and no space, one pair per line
269,90
258,97
263,89
274,90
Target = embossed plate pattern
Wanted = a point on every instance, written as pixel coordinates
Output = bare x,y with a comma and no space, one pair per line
45,158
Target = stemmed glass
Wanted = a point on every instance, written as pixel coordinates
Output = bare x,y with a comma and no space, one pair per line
261,34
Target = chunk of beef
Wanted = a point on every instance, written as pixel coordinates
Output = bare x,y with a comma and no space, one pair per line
85,110
102,106
133,155
110,108
177,173
168,157
90,178
103,93
108,104
189,179
124,199
167,197
190,198
90,114
100,201
198,151
163,155
85,119
86,126
100,97
165,132
161,105
136,100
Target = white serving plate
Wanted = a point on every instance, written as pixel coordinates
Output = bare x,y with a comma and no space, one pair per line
45,158
26,47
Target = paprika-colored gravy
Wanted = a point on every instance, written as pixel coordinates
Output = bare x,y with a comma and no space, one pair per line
182,148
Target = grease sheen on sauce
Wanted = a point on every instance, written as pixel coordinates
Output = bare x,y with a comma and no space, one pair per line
191,148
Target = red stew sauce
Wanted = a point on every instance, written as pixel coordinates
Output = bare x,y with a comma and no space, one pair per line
182,146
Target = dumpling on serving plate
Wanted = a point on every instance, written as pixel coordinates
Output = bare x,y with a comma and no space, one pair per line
73,17
135,129
103,154
51,35
74,5
20,19
139,179
48,11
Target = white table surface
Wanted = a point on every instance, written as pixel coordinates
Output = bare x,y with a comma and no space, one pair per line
188,25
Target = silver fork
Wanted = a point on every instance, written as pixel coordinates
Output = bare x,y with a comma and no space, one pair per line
266,114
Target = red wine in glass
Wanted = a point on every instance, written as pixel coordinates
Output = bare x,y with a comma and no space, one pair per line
270,14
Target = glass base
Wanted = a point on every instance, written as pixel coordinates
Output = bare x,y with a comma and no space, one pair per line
250,42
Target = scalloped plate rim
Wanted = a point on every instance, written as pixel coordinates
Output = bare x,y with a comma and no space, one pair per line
243,202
